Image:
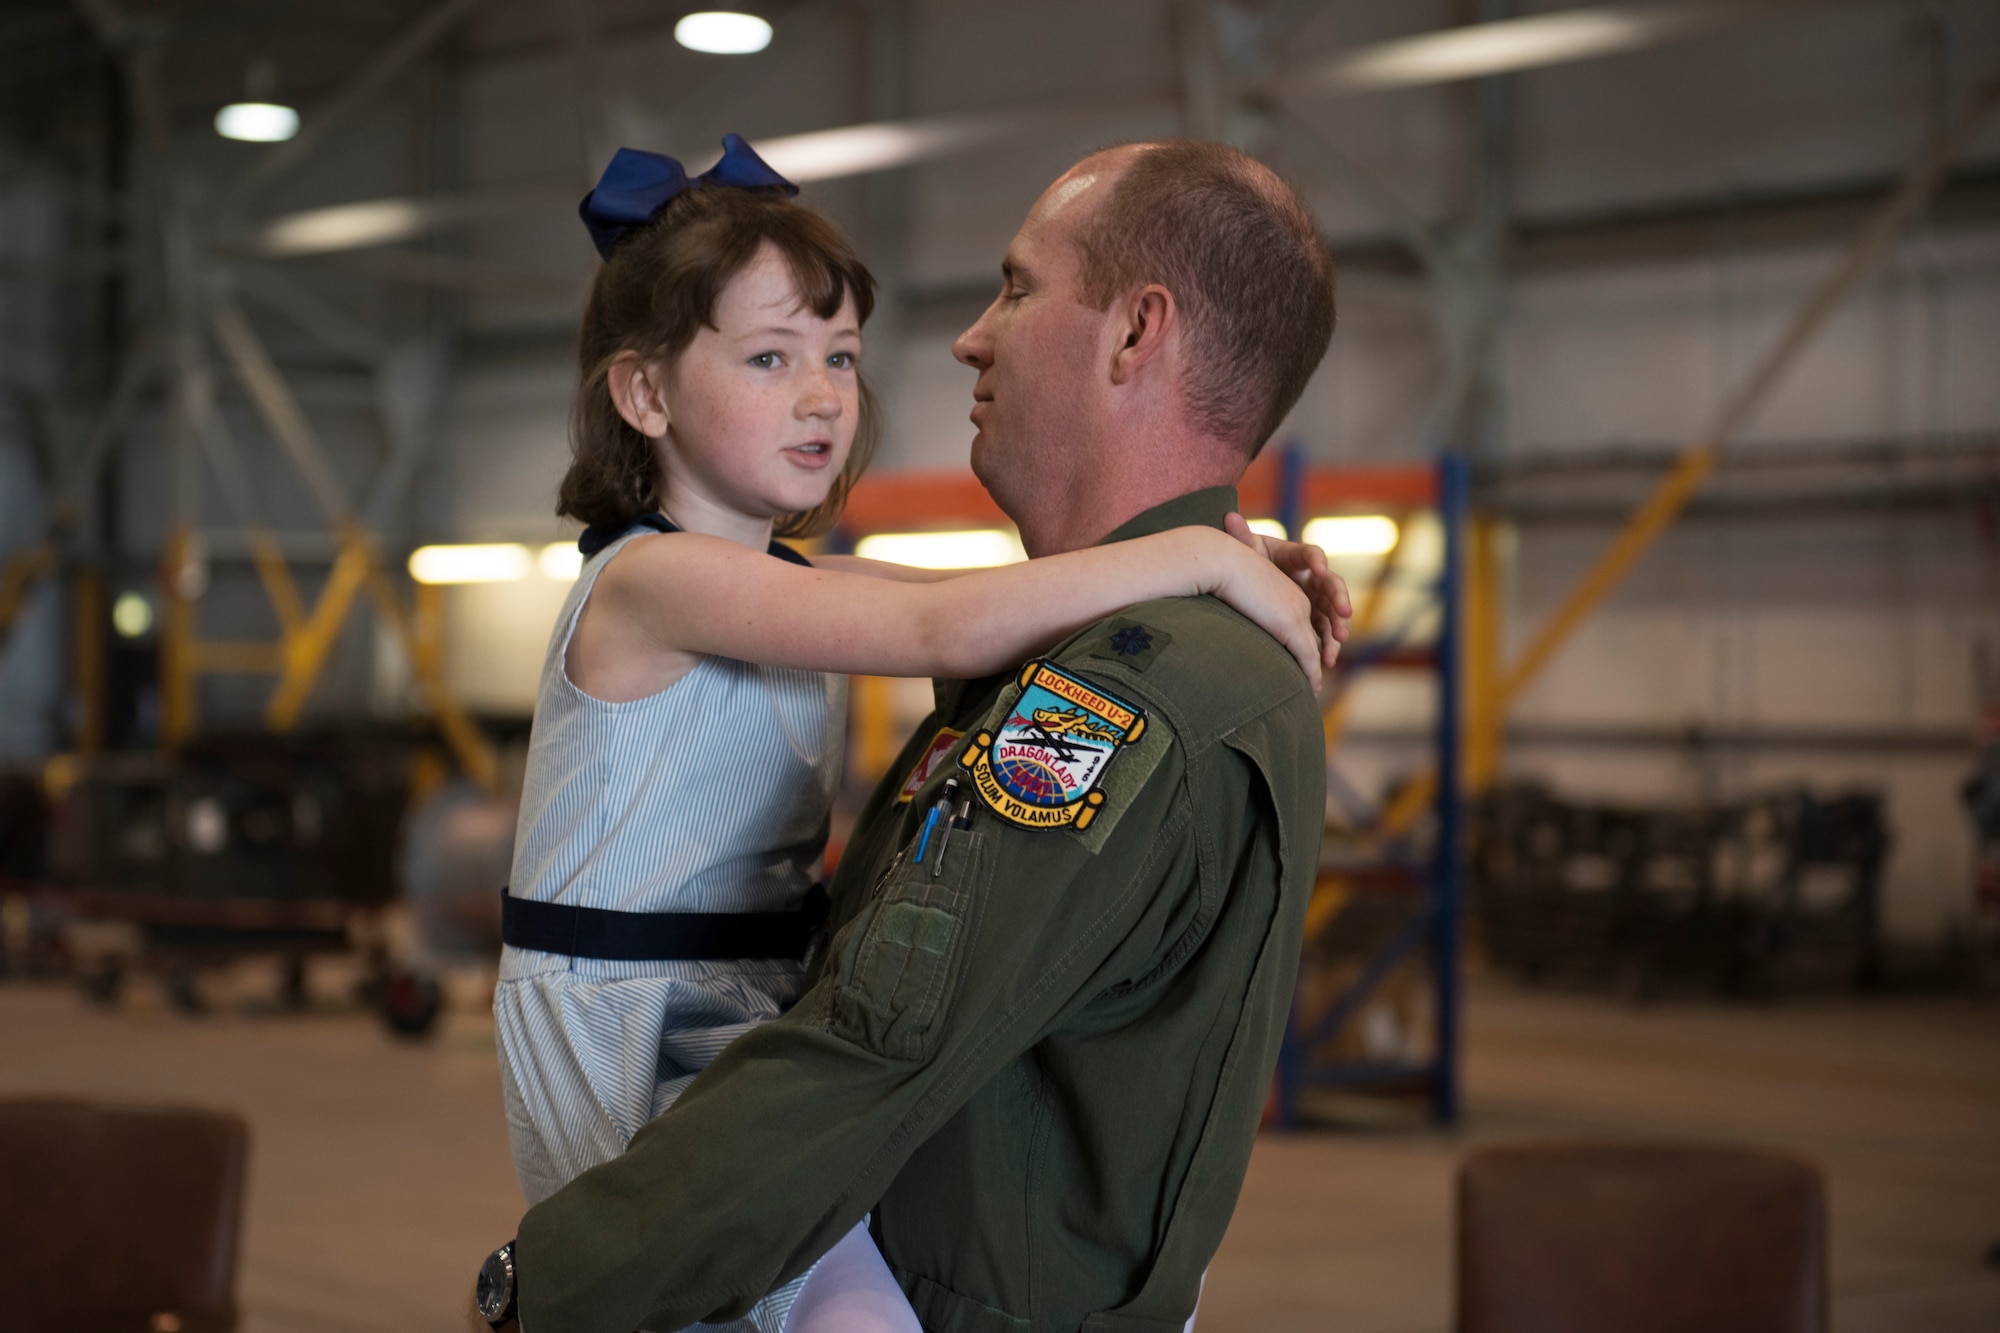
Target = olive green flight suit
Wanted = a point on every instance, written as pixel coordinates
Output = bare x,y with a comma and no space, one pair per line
1040,1055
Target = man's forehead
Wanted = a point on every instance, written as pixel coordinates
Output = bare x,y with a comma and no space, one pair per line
1068,189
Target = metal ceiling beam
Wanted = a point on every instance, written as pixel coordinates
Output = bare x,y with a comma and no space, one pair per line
1679,486
364,87
330,327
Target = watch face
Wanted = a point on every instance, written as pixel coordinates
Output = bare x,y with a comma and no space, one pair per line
496,1283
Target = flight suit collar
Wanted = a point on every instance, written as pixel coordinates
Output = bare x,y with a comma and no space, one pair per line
1197,509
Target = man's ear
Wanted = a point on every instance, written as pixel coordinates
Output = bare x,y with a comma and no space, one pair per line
1151,322
636,392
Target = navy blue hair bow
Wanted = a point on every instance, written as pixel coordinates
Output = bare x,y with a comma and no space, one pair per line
639,184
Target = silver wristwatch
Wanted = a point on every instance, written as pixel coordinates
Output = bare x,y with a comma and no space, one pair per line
495,1292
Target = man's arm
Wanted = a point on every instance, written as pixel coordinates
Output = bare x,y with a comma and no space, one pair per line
799,1126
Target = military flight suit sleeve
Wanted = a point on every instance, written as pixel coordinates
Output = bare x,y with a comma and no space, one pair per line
799,1126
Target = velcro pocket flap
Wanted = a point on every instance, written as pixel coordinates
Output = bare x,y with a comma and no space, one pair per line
897,967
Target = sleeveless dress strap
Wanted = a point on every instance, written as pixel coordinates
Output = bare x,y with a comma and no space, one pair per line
600,535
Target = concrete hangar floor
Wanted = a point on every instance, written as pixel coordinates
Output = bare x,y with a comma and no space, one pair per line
379,1168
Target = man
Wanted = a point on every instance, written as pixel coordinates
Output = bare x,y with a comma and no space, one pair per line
1065,933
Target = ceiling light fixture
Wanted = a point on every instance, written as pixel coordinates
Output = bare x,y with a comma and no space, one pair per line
497,562
257,122
975,549
720,32
342,227
561,561
1353,534
1504,46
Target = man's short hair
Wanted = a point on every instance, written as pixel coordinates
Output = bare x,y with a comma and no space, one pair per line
1243,257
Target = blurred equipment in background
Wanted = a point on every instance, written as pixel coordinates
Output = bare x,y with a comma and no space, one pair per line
120,1219
23,821
455,854
235,845
1743,897
1643,1238
1982,803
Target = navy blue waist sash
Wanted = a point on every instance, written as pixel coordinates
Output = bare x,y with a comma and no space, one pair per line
630,937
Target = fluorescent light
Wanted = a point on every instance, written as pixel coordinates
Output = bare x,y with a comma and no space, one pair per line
499,562
722,33
257,122
975,549
561,561
1269,527
131,615
1353,534
854,150
1506,45
343,227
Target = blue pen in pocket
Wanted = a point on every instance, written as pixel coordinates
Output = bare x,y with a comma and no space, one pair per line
930,822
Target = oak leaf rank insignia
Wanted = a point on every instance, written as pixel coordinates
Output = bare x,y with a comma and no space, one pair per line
1042,766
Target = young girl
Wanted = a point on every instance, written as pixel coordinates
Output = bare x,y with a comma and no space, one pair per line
686,748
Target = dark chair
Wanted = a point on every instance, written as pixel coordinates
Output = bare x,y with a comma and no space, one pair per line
1591,1237
119,1219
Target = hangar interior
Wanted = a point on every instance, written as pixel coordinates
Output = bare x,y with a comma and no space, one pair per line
1664,774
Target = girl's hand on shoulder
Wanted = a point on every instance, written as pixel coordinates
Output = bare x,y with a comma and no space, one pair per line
1264,592
1332,607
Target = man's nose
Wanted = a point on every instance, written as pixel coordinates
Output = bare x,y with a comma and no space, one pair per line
974,347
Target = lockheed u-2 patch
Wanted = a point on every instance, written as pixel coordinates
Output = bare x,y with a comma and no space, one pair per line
1042,767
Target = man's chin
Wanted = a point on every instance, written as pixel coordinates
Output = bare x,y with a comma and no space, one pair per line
986,467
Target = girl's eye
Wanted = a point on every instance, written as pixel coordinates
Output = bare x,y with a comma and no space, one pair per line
765,360
841,361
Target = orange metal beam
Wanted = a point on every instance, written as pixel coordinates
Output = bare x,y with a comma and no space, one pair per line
1396,486
921,500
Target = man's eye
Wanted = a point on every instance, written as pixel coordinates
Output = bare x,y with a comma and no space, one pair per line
765,360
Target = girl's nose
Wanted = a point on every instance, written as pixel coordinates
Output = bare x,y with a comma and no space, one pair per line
818,396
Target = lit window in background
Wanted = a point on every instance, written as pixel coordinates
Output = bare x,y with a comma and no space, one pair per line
561,561
257,122
131,615
975,549
722,33
1347,534
1353,534
499,562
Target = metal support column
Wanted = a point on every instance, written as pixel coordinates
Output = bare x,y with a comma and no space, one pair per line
1292,489
1382,863
1448,865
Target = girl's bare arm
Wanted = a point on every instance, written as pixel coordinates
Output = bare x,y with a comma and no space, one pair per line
689,593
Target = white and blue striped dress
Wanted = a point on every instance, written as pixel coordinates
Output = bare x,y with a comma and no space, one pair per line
710,796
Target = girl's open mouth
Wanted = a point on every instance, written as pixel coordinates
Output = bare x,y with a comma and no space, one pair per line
815,454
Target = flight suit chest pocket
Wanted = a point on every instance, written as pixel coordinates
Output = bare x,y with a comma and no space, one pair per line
899,959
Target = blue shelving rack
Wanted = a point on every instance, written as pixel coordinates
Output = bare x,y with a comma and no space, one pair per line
1435,887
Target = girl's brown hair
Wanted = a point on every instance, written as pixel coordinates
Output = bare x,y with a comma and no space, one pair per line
656,291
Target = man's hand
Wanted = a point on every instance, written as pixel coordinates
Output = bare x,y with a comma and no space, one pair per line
1306,564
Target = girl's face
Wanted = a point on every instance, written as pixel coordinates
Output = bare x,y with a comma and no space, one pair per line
761,409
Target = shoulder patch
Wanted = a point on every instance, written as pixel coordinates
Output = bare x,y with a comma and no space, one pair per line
1042,757
1130,642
